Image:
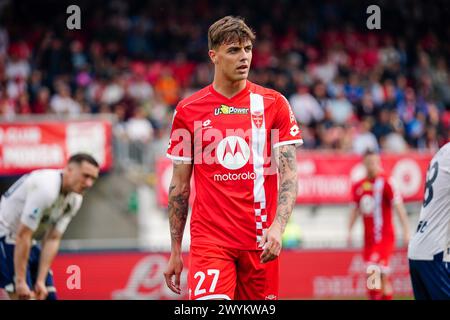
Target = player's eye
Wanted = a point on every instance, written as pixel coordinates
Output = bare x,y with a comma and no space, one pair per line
249,48
88,176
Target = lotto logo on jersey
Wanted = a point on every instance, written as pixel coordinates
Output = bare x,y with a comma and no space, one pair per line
294,130
233,152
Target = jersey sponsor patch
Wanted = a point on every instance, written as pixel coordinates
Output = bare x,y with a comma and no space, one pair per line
227,110
233,152
34,214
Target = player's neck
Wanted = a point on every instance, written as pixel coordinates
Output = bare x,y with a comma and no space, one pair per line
64,185
228,88
372,176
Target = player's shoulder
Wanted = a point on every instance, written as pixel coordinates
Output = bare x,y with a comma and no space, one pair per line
446,147
444,152
385,178
442,158
46,178
358,187
193,98
47,182
267,93
358,183
391,182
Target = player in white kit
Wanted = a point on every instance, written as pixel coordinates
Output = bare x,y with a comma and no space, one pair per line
42,202
429,249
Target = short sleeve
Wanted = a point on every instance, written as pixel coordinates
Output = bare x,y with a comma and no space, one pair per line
354,197
286,124
392,192
36,202
62,223
180,144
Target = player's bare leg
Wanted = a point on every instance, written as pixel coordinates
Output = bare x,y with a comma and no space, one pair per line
386,287
375,293
384,292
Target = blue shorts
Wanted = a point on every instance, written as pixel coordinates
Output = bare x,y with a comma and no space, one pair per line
430,279
7,269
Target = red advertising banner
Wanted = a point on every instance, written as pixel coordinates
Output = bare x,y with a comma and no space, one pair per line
29,146
335,274
328,177
304,274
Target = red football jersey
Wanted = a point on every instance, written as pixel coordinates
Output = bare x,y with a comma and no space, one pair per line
374,199
230,143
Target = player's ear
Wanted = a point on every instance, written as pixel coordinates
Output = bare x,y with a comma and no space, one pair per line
213,56
71,167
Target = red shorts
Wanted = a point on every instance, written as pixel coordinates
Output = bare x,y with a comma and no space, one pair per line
216,272
379,254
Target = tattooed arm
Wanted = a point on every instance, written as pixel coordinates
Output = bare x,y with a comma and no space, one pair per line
287,194
179,192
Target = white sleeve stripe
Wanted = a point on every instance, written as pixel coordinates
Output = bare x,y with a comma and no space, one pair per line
178,158
283,143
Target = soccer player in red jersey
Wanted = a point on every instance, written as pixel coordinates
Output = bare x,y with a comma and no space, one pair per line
373,198
239,139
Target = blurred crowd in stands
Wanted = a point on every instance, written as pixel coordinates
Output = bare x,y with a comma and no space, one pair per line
349,87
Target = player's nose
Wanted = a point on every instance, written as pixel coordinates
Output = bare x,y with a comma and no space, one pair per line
89,183
244,56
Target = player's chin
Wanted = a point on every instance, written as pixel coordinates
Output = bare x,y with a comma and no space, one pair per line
241,76
80,190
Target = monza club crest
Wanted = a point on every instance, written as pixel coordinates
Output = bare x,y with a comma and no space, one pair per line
257,118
